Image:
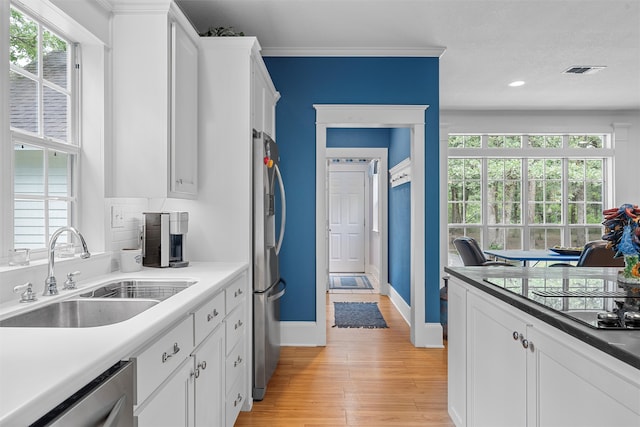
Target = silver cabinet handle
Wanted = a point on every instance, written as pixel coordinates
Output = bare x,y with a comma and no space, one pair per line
237,325
237,361
516,335
210,316
202,365
237,293
237,401
166,356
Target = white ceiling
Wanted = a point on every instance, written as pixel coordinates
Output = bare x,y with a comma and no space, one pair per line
489,43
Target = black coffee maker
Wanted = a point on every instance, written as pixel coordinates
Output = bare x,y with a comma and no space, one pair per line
164,239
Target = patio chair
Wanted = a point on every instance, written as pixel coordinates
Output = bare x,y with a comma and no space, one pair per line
471,253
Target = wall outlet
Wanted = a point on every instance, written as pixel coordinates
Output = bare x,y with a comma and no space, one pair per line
117,217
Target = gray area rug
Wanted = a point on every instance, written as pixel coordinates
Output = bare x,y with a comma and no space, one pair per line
357,281
358,315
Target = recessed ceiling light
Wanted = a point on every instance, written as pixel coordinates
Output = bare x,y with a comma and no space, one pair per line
517,83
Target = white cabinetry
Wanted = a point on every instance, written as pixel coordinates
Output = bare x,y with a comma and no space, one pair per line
570,385
206,384
236,96
209,374
496,366
164,379
155,101
172,405
507,368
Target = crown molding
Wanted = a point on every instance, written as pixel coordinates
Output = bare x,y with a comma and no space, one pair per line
430,52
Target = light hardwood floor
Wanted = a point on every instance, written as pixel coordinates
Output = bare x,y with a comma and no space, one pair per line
363,377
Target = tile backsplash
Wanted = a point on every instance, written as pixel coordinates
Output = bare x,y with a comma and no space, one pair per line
125,226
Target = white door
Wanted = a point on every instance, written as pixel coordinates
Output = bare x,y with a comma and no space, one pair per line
346,221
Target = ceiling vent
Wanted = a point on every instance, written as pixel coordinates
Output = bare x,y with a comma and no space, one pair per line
584,69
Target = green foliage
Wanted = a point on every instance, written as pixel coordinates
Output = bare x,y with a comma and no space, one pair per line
23,40
222,32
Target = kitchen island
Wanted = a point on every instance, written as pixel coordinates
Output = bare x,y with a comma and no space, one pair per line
41,367
518,355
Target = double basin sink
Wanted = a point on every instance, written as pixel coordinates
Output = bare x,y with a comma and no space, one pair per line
106,304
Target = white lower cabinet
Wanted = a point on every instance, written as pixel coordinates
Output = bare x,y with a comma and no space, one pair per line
173,403
209,380
496,366
204,383
507,368
569,385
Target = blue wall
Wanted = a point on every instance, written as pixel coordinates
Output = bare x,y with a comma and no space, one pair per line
304,81
400,219
358,138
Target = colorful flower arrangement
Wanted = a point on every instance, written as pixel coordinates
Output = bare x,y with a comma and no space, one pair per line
622,231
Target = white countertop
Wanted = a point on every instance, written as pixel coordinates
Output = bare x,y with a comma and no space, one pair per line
41,367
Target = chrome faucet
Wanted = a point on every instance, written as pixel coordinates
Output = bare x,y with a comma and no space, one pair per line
50,285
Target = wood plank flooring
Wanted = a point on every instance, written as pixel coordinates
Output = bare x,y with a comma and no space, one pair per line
363,377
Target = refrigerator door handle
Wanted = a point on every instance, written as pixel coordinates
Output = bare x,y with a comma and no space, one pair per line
283,202
280,293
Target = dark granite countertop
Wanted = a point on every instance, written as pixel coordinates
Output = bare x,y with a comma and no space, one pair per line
621,344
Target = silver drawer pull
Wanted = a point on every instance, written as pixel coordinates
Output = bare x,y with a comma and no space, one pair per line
238,400
237,293
166,356
202,365
210,316
237,325
237,361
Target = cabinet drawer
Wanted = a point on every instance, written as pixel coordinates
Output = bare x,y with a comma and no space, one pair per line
235,327
235,400
236,292
235,364
208,317
158,361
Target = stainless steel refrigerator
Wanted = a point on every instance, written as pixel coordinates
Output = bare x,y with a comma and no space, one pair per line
268,286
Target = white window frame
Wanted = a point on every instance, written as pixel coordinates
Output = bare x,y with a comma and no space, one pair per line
565,153
18,136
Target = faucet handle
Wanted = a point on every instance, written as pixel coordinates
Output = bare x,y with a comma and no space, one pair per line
28,295
70,283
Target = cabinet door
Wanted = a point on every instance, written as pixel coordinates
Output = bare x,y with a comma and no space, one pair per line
263,98
184,114
457,347
574,384
210,393
496,365
173,403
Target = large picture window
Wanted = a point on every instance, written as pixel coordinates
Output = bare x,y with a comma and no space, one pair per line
42,119
527,191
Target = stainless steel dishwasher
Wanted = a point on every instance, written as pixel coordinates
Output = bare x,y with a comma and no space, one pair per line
107,401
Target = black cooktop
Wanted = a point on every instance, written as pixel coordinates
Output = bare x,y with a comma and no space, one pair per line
597,303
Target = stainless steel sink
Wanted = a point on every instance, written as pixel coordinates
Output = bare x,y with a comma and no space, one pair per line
139,288
79,313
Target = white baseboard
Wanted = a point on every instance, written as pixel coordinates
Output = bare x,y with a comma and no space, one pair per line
301,334
427,334
308,334
400,304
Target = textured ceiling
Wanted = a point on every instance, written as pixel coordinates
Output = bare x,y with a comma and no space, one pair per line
488,43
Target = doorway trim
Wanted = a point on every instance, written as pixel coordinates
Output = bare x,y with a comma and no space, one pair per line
373,116
382,155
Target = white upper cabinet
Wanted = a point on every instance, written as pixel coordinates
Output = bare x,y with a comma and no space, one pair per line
155,102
